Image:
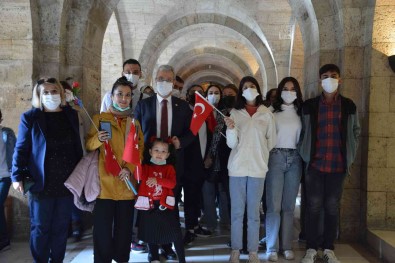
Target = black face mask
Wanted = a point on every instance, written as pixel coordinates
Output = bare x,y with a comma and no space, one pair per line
229,101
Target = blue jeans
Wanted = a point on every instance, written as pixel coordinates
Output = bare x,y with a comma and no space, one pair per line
5,184
282,186
49,225
245,190
209,205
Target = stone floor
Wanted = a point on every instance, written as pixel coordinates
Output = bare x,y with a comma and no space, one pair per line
212,249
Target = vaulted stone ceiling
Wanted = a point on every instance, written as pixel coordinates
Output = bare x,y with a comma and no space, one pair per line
206,40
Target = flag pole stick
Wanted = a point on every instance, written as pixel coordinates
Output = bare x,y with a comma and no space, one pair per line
200,95
210,104
87,114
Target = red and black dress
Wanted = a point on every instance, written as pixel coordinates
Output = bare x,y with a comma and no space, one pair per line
159,224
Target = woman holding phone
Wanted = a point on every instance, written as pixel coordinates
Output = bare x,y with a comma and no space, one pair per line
113,212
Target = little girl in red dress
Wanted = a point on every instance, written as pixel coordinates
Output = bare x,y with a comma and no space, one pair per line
158,222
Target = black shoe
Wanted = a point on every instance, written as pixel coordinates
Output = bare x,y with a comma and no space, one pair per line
189,238
5,245
201,232
168,253
151,259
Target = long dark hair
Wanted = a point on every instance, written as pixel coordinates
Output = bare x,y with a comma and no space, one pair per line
241,101
299,97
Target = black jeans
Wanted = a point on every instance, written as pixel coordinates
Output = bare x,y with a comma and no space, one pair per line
323,190
111,230
192,202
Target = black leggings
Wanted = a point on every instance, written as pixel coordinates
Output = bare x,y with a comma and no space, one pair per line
153,249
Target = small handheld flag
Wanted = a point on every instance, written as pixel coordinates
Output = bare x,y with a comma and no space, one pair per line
201,111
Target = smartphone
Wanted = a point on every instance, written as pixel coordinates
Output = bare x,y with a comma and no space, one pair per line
106,126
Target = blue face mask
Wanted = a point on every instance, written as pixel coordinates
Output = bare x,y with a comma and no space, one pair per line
116,106
163,162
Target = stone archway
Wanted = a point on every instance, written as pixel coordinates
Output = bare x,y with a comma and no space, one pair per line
153,46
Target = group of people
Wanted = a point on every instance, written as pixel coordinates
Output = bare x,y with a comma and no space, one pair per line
247,146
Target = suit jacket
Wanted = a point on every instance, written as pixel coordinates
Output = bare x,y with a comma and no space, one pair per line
145,113
30,148
194,161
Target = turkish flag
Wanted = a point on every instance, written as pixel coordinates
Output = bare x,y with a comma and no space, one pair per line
211,122
110,162
131,153
201,111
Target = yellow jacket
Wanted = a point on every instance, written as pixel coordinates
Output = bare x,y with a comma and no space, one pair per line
111,186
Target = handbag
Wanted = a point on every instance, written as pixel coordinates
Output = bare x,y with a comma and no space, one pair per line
142,203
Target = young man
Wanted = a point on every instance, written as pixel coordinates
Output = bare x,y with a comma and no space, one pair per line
132,71
328,145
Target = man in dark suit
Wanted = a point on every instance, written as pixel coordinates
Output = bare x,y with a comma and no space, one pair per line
165,116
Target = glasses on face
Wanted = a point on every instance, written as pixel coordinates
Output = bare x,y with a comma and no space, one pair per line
121,95
160,79
50,80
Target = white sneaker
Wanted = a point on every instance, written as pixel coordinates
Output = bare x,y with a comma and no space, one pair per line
253,257
234,256
272,256
289,255
329,256
310,256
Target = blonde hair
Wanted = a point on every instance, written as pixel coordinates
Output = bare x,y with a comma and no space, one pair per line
38,88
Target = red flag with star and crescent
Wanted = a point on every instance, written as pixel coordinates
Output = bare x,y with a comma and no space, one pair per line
131,153
110,164
201,111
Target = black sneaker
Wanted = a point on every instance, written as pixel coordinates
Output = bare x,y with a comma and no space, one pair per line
189,238
168,253
201,232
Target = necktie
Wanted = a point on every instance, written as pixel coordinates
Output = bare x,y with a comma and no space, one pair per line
163,121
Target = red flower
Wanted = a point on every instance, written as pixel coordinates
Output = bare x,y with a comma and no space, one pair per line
76,84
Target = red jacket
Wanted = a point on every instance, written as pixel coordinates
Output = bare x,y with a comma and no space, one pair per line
166,180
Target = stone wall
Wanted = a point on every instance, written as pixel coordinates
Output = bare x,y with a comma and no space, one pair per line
16,68
381,132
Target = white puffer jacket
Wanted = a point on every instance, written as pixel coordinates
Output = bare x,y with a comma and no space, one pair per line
251,142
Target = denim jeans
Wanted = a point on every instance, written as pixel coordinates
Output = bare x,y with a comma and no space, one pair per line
282,185
5,184
49,225
245,190
209,205
323,190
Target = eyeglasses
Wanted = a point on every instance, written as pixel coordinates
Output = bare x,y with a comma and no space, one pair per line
162,79
120,95
50,80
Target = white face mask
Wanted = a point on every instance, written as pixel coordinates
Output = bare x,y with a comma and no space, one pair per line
51,102
330,85
250,94
213,98
176,93
288,96
132,78
164,88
